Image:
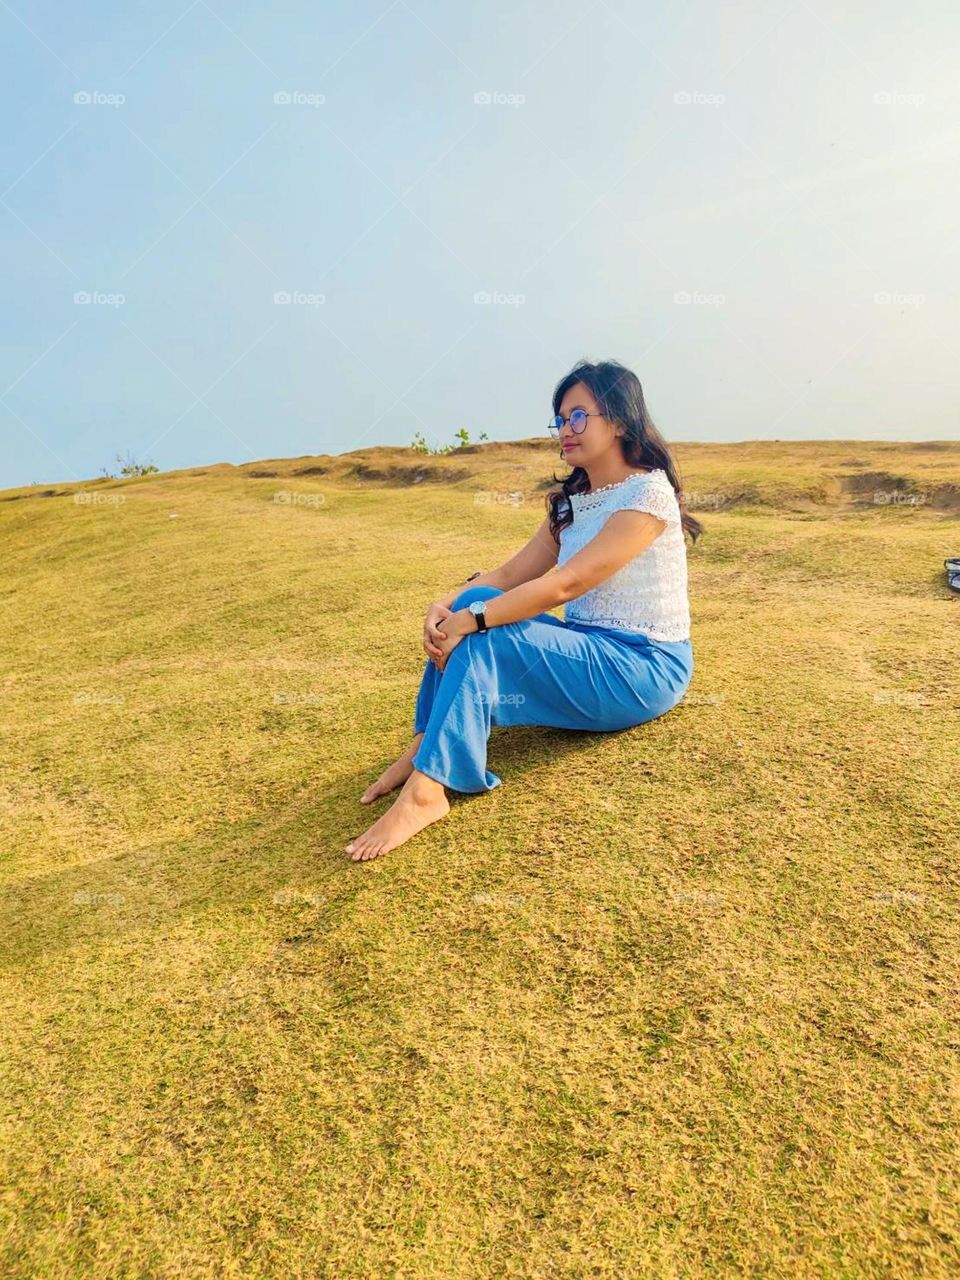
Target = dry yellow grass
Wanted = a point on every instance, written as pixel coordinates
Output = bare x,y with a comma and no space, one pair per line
676,1002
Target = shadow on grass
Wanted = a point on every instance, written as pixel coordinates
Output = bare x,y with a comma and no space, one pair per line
296,850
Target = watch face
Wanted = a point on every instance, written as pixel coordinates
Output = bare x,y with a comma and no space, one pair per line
477,606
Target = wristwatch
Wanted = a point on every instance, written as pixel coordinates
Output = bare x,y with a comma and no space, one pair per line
478,608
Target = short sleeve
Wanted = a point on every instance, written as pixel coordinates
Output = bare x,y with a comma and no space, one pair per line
656,496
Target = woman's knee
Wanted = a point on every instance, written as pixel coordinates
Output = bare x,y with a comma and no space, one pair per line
469,594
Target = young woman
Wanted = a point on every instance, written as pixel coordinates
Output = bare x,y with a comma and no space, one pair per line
611,551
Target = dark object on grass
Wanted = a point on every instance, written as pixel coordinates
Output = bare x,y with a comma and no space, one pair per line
953,573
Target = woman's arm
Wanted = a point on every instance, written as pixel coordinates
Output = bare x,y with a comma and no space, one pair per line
624,536
490,579
531,561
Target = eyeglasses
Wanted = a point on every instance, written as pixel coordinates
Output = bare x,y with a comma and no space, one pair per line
577,420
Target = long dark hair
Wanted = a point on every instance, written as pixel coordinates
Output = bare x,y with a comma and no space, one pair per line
619,398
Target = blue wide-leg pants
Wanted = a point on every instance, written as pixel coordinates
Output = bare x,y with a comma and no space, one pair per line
542,671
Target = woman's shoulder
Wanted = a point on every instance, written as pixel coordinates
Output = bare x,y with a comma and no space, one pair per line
607,492
652,492
655,474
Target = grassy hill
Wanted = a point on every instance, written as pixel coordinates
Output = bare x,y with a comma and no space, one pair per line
673,1002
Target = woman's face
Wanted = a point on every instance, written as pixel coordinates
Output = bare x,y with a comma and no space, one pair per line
598,437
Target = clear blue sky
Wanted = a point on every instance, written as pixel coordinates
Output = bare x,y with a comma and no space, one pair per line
789,168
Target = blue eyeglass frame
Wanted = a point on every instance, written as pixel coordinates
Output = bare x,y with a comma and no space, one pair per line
578,416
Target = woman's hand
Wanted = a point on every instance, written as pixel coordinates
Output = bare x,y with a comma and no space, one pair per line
452,627
433,633
455,626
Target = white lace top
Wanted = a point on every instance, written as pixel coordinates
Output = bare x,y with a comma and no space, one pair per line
649,593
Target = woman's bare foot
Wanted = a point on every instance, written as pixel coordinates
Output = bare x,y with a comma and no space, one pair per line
422,801
395,775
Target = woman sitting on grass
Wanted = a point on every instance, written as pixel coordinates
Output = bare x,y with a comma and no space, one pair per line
611,551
